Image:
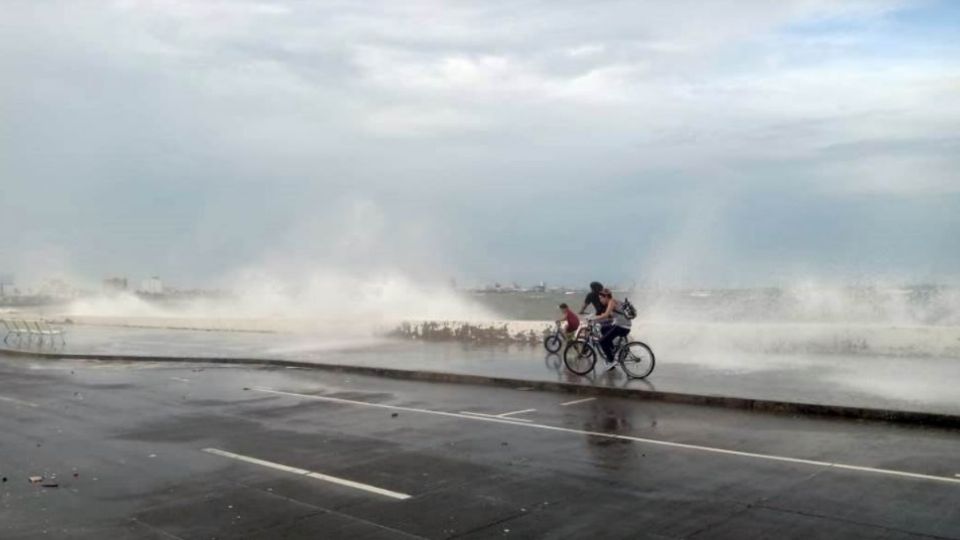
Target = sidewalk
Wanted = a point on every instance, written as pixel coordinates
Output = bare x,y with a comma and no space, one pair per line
891,383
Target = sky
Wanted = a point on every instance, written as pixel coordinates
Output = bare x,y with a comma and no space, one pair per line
729,143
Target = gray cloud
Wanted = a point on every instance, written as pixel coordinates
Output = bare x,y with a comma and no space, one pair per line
486,140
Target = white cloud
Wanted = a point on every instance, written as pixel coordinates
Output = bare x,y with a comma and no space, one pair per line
589,49
901,176
406,122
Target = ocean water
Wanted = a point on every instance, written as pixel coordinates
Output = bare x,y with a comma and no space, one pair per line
900,306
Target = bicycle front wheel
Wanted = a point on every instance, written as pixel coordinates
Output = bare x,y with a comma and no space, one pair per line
579,357
552,343
637,360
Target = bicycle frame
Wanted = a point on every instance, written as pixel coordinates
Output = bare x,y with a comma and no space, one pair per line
589,348
562,335
594,333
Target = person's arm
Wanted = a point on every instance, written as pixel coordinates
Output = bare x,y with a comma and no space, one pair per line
607,313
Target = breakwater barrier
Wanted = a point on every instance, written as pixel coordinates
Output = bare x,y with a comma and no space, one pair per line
761,337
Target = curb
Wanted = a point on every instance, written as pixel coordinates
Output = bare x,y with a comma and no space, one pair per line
916,418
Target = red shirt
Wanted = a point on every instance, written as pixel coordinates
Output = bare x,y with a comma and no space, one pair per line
573,322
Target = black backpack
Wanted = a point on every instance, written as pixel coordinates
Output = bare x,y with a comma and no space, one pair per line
627,309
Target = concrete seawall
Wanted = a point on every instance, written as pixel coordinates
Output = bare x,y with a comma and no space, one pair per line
771,338
473,331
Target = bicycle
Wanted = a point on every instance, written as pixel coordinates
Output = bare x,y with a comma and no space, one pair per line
635,358
554,341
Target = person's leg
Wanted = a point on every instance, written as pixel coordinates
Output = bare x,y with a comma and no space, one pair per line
609,336
620,337
606,342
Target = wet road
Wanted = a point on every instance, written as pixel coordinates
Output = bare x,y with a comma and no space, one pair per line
173,451
882,382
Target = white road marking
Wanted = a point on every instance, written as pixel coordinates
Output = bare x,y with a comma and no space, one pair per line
506,414
657,442
18,401
181,379
567,404
309,474
494,416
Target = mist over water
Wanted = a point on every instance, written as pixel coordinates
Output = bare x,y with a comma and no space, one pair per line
351,270
807,303
327,300
810,303
717,326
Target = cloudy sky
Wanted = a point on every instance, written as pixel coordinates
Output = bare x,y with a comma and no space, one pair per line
718,143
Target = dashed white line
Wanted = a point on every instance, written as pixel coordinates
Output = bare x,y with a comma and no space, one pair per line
575,402
309,474
506,414
657,442
181,379
495,416
16,401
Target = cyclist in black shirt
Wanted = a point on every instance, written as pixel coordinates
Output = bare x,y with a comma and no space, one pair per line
593,298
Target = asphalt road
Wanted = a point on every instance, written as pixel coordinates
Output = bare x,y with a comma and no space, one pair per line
189,451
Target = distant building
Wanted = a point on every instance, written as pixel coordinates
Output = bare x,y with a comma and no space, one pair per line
6,283
152,285
115,284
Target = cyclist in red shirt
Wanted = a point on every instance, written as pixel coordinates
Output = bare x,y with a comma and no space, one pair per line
572,321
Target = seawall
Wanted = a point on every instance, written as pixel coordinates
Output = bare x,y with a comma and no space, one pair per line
771,338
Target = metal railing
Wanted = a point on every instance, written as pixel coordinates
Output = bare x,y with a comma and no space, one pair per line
28,330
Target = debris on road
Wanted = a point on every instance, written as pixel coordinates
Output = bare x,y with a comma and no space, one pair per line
50,485
394,415
35,479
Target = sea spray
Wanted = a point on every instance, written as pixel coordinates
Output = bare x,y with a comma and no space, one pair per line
681,324
323,303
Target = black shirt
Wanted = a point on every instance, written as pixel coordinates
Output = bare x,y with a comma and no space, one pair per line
594,298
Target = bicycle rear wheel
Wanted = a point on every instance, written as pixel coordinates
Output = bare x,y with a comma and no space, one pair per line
579,357
637,359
